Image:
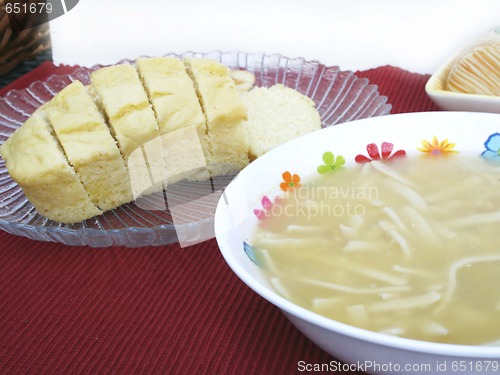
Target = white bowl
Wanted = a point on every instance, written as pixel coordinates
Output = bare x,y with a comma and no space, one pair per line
368,351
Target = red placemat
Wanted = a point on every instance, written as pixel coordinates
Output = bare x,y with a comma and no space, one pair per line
40,73
164,310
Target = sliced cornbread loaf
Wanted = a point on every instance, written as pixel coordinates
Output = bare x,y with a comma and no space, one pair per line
89,146
172,94
277,115
37,163
136,126
120,94
224,113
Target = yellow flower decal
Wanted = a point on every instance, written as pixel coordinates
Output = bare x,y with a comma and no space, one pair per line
437,148
290,181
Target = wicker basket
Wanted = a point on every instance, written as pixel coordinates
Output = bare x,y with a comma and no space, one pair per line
16,47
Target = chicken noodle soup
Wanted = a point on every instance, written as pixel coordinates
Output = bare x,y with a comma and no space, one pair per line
408,248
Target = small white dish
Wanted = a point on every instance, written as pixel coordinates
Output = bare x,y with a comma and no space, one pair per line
455,101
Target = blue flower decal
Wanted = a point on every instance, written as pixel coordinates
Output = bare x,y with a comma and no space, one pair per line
250,253
492,145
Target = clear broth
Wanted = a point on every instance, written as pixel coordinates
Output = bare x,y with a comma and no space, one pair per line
408,248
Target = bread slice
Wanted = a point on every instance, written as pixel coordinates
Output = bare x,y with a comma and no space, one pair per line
184,156
224,112
173,97
243,80
126,105
172,94
37,163
277,115
121,96
89,146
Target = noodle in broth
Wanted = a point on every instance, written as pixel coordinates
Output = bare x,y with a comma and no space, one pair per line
407,248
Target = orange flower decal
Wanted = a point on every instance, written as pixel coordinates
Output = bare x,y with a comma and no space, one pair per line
290,181
436,148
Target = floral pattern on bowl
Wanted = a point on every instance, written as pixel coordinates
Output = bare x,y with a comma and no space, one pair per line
375,154
437,148
433,148
492,145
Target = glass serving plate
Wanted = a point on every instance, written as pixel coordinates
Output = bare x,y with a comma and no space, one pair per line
339,95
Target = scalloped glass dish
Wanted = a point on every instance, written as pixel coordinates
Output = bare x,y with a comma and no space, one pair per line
339,95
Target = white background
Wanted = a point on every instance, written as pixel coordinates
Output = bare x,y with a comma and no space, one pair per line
417,35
